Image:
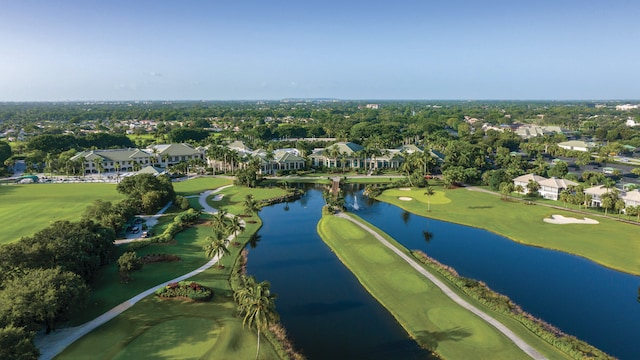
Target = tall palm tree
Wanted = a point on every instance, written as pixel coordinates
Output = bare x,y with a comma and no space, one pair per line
235,225
217,247
250,205
257,304
220,221
429,192
97,162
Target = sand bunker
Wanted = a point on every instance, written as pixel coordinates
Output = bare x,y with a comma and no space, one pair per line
404,189
405,198
217,197
559,219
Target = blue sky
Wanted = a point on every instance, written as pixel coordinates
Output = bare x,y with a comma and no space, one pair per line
245,49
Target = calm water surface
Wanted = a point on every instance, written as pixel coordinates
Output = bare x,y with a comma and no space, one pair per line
582,298
330,316
326,312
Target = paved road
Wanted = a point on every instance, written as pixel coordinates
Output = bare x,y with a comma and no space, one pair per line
52,344
533,353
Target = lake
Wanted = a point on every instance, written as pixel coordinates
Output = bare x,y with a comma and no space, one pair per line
329,315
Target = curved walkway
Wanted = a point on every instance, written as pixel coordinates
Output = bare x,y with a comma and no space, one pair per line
52,344
533,353
202,199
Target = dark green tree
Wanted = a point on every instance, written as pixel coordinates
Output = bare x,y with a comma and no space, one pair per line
40,297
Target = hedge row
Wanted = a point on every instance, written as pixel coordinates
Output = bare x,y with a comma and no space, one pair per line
180,221
479,291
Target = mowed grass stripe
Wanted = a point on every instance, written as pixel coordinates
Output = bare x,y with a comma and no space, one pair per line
611,243
427,314
26,209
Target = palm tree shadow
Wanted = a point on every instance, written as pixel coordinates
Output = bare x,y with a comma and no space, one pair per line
254,240
406,216
431,339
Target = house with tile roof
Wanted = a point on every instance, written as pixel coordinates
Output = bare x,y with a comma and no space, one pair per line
631,198
524,181
551,188
596,193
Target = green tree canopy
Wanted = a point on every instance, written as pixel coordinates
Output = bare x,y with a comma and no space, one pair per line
40,297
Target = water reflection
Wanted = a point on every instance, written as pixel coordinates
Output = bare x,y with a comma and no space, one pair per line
325,310
582,298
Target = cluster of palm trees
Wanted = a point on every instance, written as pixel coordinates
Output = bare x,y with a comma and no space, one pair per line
222,225
256,305
226,159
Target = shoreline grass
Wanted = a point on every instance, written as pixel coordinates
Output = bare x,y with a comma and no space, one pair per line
431,318
610,243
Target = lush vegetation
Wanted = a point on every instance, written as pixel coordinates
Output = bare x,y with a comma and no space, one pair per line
611,243
428,315
207,329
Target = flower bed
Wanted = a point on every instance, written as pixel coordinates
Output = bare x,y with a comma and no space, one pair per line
185,289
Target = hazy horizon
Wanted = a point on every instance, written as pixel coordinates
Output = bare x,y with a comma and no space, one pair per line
74,50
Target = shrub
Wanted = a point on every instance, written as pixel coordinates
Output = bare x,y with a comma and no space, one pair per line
185,289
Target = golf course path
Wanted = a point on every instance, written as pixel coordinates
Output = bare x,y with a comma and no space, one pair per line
52,344
452,295
202,199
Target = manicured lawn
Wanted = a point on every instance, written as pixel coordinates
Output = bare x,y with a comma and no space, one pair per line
199,185
234,197
175,329
435,321
371,180
610,243
26,209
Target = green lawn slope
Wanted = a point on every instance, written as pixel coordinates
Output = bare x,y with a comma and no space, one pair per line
610,243
26,209
429,316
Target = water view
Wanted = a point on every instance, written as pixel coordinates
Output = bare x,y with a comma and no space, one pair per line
329,315
582,298
326,312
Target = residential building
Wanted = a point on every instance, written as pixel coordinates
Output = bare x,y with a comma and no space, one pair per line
524,181
172,154
576,145
596,193
551,188
117,160
631,198
354,156
530,131
282,161
345,154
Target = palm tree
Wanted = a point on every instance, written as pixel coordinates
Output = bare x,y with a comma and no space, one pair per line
220,221
429,192
333,153
217,247
565,195
250,205
97,162
257,304
235,225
